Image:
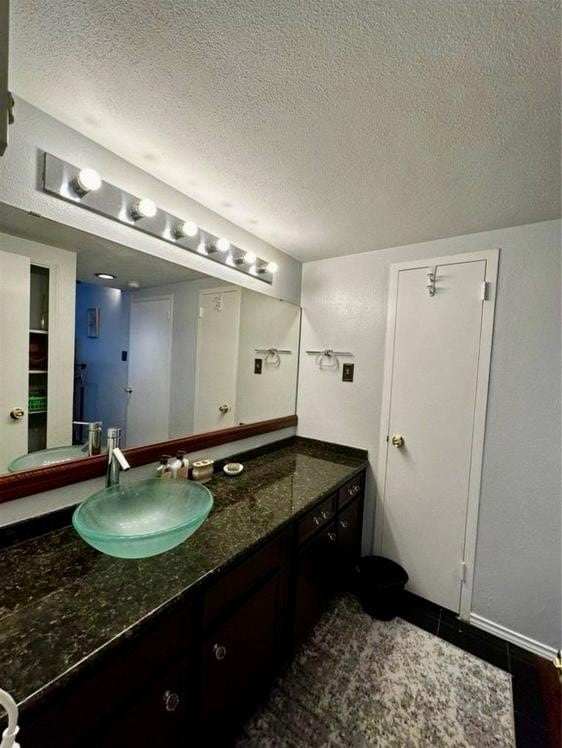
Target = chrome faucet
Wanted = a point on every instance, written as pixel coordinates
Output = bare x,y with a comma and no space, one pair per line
116,460
94,435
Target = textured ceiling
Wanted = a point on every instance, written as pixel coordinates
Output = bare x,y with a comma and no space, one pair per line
323,126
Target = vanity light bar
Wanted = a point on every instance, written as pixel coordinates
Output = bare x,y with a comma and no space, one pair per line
86,189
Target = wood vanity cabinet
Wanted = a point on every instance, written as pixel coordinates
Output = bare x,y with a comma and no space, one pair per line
196,674
325,562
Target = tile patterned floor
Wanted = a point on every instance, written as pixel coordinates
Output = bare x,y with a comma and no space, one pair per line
537,711
362,682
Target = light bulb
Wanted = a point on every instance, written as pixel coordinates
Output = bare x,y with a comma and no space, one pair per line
187,228
88,180
144,208
249,258
106,276
223,245
271,267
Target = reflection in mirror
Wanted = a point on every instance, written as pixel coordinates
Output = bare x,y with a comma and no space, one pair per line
125,339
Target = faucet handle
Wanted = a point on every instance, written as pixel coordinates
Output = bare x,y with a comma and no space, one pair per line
121,459
92,425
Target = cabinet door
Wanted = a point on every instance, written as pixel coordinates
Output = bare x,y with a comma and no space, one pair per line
349,526
239,660
158,715
316,581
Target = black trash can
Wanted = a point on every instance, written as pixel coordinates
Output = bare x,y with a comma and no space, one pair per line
380,586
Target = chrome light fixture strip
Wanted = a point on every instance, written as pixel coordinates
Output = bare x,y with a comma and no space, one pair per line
60,179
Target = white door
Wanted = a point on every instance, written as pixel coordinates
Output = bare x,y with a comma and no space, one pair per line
438,349
218,337
150,356
14,355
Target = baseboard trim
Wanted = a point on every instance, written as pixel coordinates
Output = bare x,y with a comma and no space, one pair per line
525,642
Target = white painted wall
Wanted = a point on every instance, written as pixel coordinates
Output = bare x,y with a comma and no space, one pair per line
266,322
344,299
20,169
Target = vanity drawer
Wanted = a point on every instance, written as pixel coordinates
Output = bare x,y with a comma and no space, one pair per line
350,490
317,518
233,585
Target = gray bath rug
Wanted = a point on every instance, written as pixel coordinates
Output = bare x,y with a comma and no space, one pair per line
361,683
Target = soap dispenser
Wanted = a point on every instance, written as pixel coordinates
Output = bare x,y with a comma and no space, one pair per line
183,471
163,469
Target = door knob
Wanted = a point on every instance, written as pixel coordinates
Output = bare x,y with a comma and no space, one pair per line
224,408
17,414
129,390
397,440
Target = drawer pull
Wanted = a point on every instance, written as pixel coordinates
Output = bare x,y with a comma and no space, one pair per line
171,701
317,521
219,651
353,490
325,515
332,537
344,524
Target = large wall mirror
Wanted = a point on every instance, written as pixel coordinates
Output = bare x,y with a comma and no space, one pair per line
94,333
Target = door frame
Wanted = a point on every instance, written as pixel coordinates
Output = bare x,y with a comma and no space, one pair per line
202,292
491,257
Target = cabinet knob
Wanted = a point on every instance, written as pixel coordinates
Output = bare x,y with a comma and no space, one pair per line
332,537
344,524
171,701
219,651
224,408
17,414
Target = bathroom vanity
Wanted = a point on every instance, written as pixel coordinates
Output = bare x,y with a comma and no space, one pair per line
179,649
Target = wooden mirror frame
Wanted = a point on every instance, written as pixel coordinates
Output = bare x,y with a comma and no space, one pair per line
37,480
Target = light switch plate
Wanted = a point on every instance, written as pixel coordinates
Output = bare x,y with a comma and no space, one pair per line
347,372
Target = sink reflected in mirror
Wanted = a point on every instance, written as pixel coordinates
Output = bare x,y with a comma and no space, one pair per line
46,457
143,519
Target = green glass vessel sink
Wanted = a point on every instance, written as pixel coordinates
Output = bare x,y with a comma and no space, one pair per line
142,519
44,457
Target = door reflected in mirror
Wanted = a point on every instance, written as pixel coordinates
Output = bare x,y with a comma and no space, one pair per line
160,351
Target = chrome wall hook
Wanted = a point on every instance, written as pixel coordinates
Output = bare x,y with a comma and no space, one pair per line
431,277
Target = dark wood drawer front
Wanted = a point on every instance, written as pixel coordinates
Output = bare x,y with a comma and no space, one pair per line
351,490
317,518
235,584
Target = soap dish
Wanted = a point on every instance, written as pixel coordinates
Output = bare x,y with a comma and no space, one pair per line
233,468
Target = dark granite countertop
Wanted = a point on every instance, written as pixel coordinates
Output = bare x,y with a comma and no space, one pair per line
62,602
